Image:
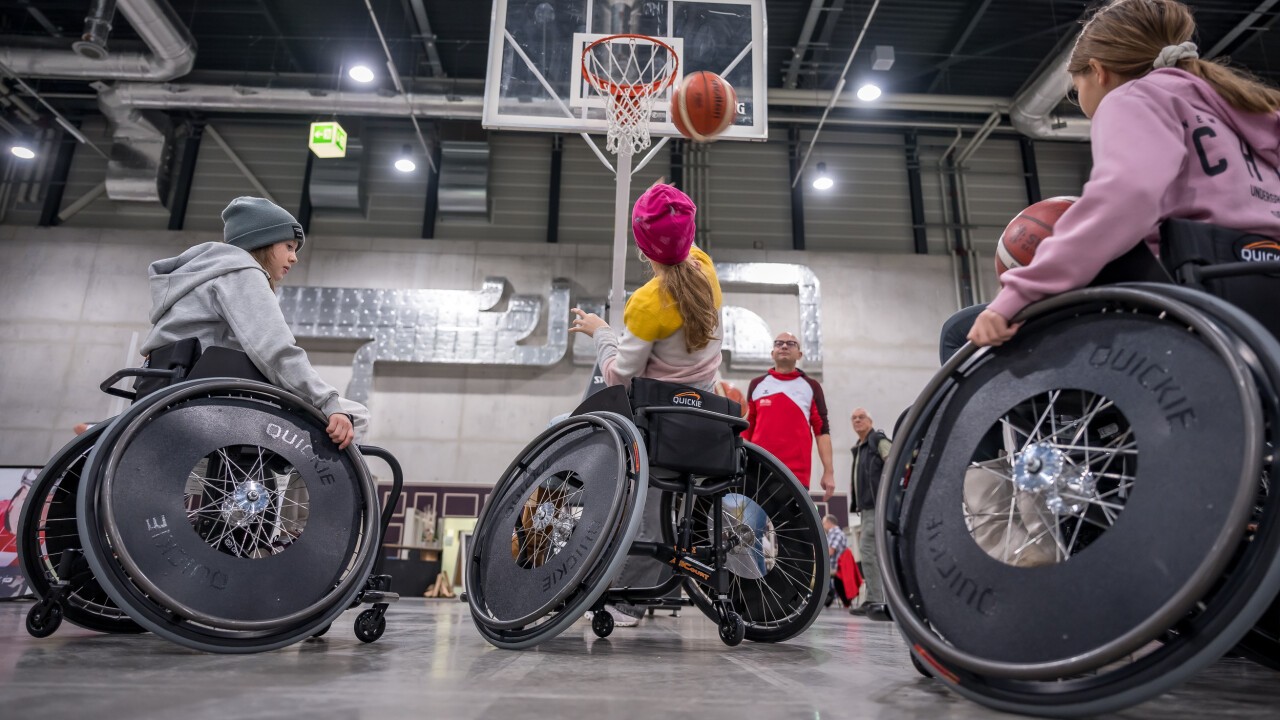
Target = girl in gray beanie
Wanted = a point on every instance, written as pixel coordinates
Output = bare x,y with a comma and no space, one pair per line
223,293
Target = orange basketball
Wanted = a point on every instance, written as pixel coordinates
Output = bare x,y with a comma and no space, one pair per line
703,106
1025,232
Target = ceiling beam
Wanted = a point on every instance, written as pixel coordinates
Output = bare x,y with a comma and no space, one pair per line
265,11
40,18
802,43
975,12
419,13
829,22
957,59
1224,46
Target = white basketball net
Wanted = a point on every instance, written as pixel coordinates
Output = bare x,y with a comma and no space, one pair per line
630,72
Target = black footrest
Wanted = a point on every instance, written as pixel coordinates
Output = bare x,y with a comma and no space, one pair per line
378,596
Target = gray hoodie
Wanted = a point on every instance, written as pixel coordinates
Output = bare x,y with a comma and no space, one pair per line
220,294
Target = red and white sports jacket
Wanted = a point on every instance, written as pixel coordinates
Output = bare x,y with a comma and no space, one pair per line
787,410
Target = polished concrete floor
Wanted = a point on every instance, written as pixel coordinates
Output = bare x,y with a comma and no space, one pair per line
432,664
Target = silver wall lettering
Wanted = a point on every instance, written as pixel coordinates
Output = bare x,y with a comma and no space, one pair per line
430,326
469,327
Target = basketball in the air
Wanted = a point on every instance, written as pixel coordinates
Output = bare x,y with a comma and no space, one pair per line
1025,232
703,106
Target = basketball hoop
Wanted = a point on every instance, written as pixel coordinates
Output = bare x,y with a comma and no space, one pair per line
630,72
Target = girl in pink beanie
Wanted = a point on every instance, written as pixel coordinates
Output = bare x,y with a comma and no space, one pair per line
671,325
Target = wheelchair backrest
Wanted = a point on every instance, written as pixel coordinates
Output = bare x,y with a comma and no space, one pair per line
193,363
1239,267
688,430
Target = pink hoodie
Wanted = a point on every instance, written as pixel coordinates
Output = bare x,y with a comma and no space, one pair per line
1164,145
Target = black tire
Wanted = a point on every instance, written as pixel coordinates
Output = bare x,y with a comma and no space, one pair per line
370,624
608,557
1205,621
172,426
321,631
785,601
47,528
44,618
732,631
602,623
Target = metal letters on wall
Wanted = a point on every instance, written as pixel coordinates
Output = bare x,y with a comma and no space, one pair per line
430,326
465,327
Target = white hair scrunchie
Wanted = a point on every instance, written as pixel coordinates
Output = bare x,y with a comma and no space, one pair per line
1171,55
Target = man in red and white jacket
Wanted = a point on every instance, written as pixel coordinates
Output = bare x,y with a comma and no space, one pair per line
787,409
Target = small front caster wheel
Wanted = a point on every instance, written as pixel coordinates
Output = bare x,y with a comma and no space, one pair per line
602,623
44,618
733,629
370,625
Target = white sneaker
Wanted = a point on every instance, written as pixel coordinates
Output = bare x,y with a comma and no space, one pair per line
620,618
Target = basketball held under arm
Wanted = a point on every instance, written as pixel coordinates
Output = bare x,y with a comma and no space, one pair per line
1138,154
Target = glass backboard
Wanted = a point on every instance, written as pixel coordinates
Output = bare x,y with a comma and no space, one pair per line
534,79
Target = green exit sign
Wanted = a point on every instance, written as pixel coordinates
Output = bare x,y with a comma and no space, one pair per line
328,140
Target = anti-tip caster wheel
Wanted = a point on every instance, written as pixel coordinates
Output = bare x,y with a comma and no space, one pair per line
733,629
44,618
602,623
370,625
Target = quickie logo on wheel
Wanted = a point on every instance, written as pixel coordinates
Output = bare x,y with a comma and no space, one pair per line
689,398
1260,251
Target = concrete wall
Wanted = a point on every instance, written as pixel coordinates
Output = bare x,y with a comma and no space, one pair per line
72,298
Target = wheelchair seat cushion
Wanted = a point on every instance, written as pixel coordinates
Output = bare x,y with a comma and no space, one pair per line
686,441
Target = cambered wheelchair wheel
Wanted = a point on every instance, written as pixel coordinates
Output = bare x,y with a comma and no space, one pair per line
1066,521
47,530
220,516
556,529
1261,351
778,575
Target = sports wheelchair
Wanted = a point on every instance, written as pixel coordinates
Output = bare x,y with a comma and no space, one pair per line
1080,519
738,530
214,512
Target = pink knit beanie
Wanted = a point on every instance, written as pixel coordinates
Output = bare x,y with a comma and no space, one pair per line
662,221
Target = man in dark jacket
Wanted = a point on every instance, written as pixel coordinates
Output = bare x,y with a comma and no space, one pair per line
868,460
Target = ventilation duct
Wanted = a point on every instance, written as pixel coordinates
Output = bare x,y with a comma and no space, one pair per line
338,183
464,178
138,170
1032,111
172,49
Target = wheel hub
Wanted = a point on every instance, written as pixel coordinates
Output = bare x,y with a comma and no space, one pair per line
1044,470
557,521
755,551
249,499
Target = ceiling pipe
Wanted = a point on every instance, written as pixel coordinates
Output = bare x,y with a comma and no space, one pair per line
92,44
231,98
1032,111
172,51
975,104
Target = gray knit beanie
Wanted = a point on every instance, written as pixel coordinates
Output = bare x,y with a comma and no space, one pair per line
252,223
